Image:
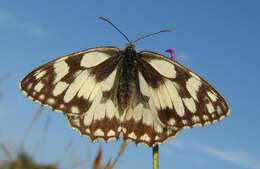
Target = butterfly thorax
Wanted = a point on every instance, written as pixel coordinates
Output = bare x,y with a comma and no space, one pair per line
127,77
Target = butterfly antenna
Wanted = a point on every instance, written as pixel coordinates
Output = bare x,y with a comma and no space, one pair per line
152,34
104,19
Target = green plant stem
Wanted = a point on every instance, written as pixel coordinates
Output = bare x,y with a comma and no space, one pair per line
156,157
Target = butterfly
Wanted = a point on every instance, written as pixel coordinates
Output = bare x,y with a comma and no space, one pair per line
107,93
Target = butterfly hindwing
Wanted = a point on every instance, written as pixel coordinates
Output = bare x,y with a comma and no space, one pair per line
78,85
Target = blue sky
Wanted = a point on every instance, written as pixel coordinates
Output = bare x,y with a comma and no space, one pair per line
217,39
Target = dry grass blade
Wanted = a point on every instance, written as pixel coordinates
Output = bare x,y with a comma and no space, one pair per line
7,153
120,152
36,116
97,163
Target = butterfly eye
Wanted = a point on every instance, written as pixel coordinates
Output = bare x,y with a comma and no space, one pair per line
172,53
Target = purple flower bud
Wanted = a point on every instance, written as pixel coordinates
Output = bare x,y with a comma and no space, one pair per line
172,53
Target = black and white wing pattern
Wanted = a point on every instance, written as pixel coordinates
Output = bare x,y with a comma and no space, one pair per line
169,98
159,97
82,86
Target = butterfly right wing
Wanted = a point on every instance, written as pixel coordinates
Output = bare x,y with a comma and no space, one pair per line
169,98
82,86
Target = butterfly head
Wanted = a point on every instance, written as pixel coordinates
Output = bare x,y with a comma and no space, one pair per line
129,50
130,46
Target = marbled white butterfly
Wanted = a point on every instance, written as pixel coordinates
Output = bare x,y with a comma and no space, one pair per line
106,92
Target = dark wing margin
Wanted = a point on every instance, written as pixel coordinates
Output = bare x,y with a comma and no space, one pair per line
175,98
77,85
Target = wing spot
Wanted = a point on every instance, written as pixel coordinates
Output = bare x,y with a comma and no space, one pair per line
193,86
190,104
205,117
197,125
33,93
75,109
25,93
168,132
76,122
29,86
145,137
41,74
51,101
109,82
39,86
59,88
207,122
88,131
212,96
62,106
111,133
119,129
195,119
185,122
157,127
91,59
157,138
61,69
165,68
99,132
214,121
172,122
143,85
175,98
110,109
132,135
210,107
219,110
42,97
222,117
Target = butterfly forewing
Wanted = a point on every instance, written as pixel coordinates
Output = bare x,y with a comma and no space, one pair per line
81,85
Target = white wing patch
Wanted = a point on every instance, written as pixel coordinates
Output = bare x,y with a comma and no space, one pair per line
190,104
60,88
163,67
143,85
87,87
175,97
109,82
75,86
39,86
92,59
61,69
212,96
193,85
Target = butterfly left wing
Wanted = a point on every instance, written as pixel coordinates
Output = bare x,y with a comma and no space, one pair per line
170,98
81,85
